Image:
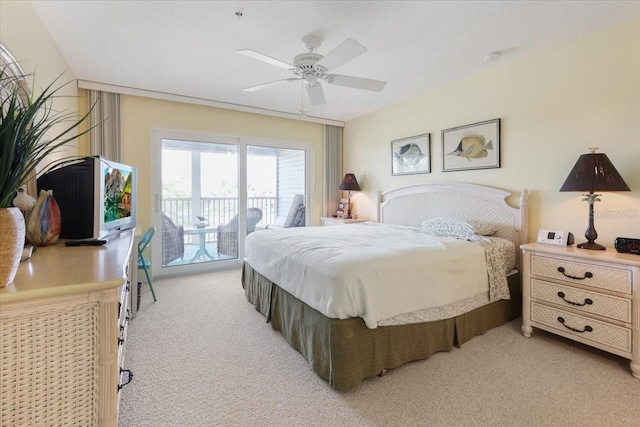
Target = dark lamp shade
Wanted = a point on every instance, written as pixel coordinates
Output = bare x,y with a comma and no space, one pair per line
594,172
349,183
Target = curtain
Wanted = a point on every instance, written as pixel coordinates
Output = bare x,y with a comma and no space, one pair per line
332,168
104,137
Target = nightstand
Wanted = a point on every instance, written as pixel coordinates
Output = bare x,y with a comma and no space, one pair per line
585,295
339,221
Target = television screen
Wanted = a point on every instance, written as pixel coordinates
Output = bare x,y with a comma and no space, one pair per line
118,193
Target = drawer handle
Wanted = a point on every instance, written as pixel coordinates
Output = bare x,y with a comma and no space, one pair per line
588,274
121,335
587,301
586,328
129,378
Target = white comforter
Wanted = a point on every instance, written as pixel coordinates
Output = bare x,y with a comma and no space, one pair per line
368,271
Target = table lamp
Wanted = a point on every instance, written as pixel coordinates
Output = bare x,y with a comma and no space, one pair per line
349,183
593,172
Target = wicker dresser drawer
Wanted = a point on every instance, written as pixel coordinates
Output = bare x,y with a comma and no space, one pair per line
585,274
589,302
48,363
583,327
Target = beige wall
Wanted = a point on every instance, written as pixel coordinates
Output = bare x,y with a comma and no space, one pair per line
25,36
141,115
552,106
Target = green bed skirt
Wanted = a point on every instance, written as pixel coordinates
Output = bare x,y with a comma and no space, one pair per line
344,352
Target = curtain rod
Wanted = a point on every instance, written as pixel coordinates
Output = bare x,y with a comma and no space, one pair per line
124,90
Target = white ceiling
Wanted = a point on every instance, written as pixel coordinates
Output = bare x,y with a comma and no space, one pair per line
189,48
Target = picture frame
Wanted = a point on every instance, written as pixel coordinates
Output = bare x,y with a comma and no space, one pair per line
411,155
469,147
343,208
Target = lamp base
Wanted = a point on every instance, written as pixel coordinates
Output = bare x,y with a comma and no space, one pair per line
592,246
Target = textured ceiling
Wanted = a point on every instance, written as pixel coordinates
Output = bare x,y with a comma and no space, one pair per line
189,47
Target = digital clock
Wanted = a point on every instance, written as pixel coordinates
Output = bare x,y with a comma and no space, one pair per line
627,245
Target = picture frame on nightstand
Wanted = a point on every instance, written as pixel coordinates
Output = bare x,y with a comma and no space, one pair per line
343,208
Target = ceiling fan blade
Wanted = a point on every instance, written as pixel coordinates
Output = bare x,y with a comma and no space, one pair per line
356,82
265,58
266,85
342,54
316,94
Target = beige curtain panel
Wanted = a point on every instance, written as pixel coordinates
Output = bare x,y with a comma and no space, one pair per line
333,168
104,138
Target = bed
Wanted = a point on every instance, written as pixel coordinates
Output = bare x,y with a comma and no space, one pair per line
347,337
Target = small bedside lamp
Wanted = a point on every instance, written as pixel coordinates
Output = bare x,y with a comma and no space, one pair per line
593,172
349,183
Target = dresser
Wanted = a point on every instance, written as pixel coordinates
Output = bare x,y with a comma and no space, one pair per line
585,295
63,327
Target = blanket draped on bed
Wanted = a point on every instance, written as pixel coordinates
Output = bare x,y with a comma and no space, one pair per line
344,272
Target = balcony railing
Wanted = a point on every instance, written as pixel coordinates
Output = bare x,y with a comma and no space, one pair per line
216,210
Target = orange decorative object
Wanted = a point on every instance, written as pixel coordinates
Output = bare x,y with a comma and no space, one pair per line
44,225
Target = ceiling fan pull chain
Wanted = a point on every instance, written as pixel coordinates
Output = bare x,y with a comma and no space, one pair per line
302,113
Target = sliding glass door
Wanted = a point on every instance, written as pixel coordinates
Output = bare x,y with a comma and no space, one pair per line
211,192
275,176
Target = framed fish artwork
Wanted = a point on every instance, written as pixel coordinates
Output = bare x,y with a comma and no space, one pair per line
411,155
475,146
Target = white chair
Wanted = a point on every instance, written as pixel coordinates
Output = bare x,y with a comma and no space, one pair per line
296,215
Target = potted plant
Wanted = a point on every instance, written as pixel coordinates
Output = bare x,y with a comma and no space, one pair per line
30,129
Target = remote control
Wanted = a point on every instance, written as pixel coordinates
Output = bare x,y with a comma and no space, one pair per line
86,242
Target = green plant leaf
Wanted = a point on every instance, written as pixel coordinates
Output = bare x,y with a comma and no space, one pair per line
26,125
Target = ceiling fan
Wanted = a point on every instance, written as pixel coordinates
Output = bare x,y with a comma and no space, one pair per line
312,67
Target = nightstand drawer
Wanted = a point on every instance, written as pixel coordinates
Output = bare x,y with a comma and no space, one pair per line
585,274
582,327
590,302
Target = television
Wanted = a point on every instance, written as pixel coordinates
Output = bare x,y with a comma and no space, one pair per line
96,197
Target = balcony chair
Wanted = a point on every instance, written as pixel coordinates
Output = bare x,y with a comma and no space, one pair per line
295,217
228,233
143,262
172,241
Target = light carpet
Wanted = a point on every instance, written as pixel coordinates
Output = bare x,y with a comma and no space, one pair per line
203,356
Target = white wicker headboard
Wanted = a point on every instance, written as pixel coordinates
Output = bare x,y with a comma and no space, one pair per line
412,204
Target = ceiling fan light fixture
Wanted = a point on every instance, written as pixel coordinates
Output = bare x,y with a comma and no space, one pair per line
310,78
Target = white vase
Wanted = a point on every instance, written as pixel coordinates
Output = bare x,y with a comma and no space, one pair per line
12,232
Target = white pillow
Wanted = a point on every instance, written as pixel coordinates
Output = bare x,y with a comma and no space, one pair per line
456,227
